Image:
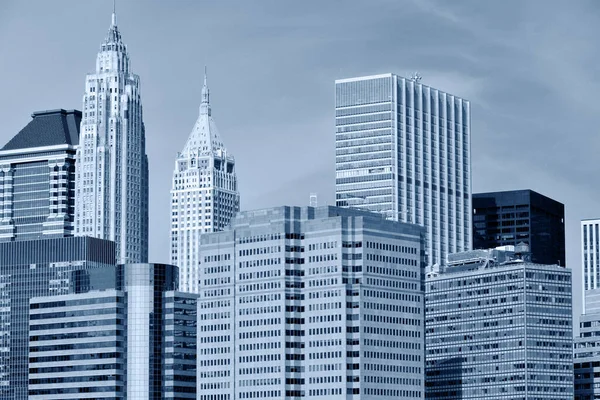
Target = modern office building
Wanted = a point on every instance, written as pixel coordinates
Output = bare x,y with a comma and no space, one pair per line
204,195
31,268
310,302
37,177
498,327
403,149
112,167
520,216
587,346
586,357
134,340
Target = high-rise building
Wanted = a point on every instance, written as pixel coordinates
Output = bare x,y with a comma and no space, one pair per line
112,167
131,337
498,327
204,195
520,216
31,268
587,349
310,302
403,149
37,177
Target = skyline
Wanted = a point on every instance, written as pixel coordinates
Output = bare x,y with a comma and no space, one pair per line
464,52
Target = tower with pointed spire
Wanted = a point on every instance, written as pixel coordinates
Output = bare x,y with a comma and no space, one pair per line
204,194
111,199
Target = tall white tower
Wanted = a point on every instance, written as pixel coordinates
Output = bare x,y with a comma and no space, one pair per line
112,165
204,195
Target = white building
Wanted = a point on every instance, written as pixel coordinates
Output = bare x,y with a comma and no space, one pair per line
112,166
403,149
590,257
204,195
323,303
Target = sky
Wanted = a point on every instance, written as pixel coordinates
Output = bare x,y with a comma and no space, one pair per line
531,70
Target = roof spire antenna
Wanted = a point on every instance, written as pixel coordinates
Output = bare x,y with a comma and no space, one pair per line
205,75
114,13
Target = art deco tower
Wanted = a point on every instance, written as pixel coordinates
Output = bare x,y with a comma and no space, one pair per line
204,196
112,166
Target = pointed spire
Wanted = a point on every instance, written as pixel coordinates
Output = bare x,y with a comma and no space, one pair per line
114,13
205,104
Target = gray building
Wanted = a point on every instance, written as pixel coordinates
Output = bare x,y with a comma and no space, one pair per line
498,327
587,347
403,149
135,339
310,302
37,177
45,267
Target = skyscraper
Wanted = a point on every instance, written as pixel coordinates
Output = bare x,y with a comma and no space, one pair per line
512,217
498,327
403,149
204,195
112,166
311,302
37,177
587,352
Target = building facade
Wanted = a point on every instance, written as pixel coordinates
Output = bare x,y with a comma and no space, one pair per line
587,346
134,340
112,167
498,328
37,177
520,216
311,302
204,195
403,149
45,267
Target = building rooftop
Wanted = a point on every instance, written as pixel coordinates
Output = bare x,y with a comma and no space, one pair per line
48,128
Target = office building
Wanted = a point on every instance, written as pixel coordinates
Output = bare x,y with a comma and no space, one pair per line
498,327
37,177
310,302
112,167
134,340
204,196
587,348
520,216
403,149
31,268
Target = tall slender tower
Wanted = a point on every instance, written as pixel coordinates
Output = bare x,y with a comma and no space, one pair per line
112,165
204,195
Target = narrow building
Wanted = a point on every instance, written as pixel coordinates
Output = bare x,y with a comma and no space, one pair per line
204,195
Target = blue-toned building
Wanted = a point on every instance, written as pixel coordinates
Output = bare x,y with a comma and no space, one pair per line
498,327
32,268
403,149
37,177
311,302
520,216
130,336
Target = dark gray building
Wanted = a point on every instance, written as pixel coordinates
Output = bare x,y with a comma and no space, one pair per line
37,177
512,217
131,336
45,267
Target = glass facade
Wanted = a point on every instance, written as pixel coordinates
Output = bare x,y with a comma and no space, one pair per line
403,150
311,303
45,267
122,333
500,331
586,359
509,218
